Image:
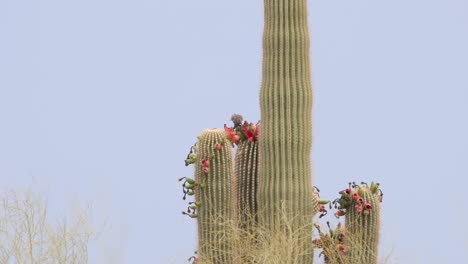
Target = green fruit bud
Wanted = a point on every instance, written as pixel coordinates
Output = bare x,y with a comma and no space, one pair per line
191,193
190,180
193,215
360,192
374,188
189,186
324,201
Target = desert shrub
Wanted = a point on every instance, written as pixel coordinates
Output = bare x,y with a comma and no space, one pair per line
28,235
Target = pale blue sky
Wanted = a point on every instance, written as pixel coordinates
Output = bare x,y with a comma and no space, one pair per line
100,101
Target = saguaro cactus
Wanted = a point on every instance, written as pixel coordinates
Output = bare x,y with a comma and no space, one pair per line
274,184
213,174
286,112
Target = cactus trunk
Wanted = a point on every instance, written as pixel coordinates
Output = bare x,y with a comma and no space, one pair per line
286,111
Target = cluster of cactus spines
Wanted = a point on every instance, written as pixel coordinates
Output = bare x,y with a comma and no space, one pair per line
360,204
213,171
286,115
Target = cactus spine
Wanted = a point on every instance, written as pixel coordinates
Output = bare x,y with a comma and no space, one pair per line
286,112
362,225
213,173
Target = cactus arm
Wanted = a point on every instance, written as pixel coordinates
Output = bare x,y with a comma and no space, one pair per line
246,165
363,226
213,171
